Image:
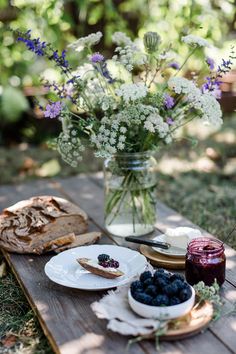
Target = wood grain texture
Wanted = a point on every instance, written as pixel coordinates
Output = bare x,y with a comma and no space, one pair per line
65,314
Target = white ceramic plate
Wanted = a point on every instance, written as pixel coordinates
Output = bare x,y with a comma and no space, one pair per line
172,251
63,269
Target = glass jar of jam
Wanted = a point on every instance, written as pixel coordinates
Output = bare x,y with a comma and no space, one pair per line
205,261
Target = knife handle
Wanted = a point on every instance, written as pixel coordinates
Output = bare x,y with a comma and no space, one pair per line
141,241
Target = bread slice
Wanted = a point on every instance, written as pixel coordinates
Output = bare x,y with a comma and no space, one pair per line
81,240
111,273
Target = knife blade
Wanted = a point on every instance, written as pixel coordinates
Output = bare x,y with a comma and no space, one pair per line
141,241
153,243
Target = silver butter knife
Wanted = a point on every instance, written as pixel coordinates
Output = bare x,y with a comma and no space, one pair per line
152,243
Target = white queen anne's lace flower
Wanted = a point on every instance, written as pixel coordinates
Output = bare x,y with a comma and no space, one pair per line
205,103
180,85
132,92
121,39
87,41
211,110
195,41
155,124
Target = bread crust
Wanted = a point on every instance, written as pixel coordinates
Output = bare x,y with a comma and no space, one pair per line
105,273
39,224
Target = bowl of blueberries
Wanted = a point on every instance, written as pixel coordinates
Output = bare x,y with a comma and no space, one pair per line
161,295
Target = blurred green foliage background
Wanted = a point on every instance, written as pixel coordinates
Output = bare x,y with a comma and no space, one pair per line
61,22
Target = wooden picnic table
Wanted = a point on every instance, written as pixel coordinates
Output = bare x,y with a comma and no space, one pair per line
65,314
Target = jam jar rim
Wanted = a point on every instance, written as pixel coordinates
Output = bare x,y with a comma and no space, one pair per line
208,253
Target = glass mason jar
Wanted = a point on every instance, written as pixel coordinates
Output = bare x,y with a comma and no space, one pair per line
205,261
130,194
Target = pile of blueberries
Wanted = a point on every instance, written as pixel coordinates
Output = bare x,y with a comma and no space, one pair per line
160,289
106,261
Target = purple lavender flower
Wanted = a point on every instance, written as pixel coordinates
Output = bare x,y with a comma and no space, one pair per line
169,121
44,49
212,85
169,102
210,62
33,44
174,65
53,110
97,58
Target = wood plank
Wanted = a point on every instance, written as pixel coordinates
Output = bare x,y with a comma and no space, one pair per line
59,307
72,188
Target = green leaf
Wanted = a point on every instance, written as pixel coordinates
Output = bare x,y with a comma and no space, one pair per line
14,104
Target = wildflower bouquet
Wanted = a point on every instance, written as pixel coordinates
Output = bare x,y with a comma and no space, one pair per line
131,103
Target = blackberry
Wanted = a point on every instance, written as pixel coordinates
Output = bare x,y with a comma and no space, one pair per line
103,258
113,263
161,282
185,294
161,270
160,300
174,301
136,285
145,275
176,277
148,282
143,298
151,290
179,284
171,289
104,264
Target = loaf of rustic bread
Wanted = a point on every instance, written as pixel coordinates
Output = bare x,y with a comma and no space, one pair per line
41,224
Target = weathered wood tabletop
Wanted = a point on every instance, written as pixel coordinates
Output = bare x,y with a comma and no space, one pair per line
65,314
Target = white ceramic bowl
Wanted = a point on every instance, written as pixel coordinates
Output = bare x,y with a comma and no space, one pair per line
162,312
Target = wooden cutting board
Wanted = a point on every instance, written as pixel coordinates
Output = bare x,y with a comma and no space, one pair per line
160,260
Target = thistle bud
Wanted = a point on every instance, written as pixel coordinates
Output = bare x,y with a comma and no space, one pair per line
151,41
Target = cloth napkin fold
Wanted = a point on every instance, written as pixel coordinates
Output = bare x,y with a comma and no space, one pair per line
115,308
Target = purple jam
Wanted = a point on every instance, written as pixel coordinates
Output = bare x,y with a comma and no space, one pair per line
205,261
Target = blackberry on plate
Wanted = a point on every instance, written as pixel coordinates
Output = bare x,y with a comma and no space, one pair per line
160,300
113,263
151,290
103,258
104,264
174,301
145,275
143,298
148,282
171,289
185,294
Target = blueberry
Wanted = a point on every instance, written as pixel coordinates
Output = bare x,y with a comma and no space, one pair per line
174,301
151,290
160,300
171,289
176,277
147,282
185,294
143,298
103,258
145,275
